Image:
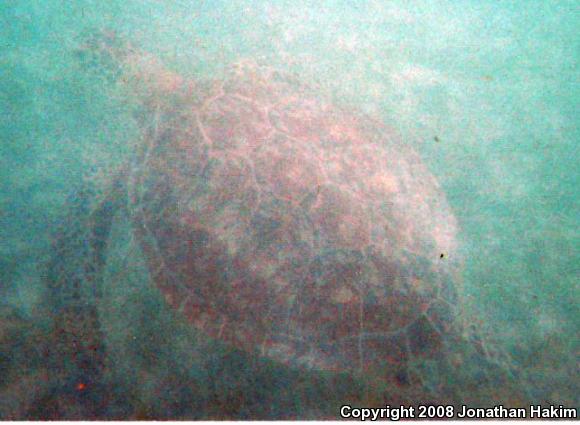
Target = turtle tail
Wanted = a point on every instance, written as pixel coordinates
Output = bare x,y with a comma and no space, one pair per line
74,273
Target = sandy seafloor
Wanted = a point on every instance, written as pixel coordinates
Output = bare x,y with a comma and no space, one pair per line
487,92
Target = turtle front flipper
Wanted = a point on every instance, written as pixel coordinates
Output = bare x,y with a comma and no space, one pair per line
76,353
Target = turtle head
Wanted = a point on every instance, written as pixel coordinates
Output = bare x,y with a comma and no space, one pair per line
104,53
112,57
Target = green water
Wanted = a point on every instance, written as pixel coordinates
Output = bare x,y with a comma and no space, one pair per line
487,92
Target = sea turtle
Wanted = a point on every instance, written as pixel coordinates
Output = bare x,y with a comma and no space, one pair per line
273,220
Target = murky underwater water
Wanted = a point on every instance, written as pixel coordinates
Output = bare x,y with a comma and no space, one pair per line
486,93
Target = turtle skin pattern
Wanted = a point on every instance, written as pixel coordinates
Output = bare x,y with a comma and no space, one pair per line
292,228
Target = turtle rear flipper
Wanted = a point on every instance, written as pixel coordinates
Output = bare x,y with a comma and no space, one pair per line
74,273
